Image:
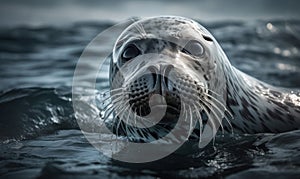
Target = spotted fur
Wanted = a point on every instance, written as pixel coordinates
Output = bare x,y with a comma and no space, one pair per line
259,107
256,106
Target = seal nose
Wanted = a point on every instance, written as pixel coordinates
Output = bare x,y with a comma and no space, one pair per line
160,76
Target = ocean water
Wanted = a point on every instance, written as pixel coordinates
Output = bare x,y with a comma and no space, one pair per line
39,135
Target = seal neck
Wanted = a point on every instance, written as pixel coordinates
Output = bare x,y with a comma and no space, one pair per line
259,107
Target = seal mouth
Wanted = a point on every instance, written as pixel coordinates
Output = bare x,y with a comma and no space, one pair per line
147,103
142,106
159,106
169,108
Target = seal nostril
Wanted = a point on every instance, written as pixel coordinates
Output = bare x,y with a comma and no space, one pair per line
166,76
153,72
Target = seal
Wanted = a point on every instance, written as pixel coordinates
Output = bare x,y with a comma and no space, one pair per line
178,58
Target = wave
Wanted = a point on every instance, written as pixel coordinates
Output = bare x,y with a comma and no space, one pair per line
31,112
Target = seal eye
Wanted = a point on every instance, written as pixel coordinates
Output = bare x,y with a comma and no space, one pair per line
193,48
130,52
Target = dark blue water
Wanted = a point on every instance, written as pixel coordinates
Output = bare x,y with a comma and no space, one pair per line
40,138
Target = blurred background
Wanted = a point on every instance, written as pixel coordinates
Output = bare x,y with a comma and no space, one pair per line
61,12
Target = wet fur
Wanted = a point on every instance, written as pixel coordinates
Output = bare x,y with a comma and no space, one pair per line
250,106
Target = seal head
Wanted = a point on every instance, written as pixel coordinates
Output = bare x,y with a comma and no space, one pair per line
177,59
174,65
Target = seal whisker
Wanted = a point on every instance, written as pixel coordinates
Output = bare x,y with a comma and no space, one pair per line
219,118
110,102
185,114
226,111
135,116
127,120
134,119
121,105
191,121
112,96
105,108
220,111
224,107
107,112
200,122
185,111
122,112
102,97
109,105
111,90
210,118
211,91
204,88
105,118
118,99
110,111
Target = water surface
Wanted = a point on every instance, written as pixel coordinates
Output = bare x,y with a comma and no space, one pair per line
39,135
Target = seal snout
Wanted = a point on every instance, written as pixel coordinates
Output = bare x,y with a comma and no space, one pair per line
160,77
154,83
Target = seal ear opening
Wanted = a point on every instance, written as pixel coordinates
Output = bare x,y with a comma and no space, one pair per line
207,38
